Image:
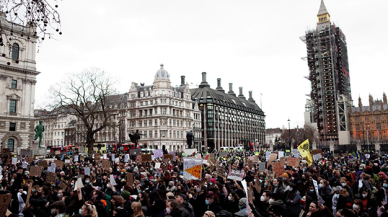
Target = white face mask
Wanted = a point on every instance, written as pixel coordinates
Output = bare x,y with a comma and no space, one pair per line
271,201
355,206
364,195
320,185
229,198
262,198
343,184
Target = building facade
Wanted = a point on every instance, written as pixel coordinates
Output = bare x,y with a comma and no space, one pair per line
369,124
228,120
17,84
163,114
327,59
272,135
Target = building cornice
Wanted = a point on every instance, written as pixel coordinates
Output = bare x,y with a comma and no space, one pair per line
17,69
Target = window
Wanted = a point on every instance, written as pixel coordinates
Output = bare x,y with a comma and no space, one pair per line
12,126
15,51
14,84
10,144
12,106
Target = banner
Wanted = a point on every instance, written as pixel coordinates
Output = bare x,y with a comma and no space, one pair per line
189,152
158,153
278,169
304,151
192,168
236,175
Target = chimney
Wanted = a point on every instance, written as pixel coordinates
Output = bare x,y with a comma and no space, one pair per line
204,82
231,90
182,80
219,88
240,95
250,97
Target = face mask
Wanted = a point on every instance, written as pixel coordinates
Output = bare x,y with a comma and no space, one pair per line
254,180
360,168
355,206
271,201
33,190
290,189
72,184
118,170
12,180
205,186
344,169
302,201
265,184
87,181
138,191
80,211
107,185
198,190
262,198
211,183
59,195
385,185
229,198
176,181
240,207
364,195
52,211
168,211
292,178
320,185
122,172
25,174
207,202
276,185
343,184
261,181
312,190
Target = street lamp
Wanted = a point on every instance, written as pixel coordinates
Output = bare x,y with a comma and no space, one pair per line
289,133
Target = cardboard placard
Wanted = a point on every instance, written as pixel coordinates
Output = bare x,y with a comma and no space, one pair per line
236,175
293,162
272,157
62,185
36,171
29,159
146,157
316,151
97,157
129,179
278,168
258,186
51,177
5,151
135,151
43,163
105,164
220,171
270,175
250,163
4,202
168,157
59,163
282,161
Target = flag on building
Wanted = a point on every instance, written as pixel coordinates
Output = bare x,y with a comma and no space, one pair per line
304,151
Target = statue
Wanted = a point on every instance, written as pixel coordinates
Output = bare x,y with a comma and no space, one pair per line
190,138
135,137
39,129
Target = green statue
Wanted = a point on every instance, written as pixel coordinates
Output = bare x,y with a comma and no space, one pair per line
39,129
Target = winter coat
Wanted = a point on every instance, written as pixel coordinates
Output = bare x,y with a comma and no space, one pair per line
292,202
187,209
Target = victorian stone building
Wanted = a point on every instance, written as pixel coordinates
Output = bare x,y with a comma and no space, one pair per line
17,84
163,114
369,124
227,119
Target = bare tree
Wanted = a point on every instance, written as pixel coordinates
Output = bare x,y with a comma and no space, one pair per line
299,135
87,96
42,14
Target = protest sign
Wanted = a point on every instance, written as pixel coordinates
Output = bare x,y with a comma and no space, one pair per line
97,157
258,186
113,156
192,168
157,165
317,192
62,185
261,166
296,153
126,158
29,159
51,168
283,161
250,164
117,160
78,184
129,179
316,151
87,171
76,158
146,157
278,168
168,157
293,162
24,165
135,151
267,155
112,180
51,177
158,153
59,163
280,154
270,175
236,175
105,164
317,156
220,171
173,154
14,160
189,151
26,153
43,163
67,161
4,202
36,171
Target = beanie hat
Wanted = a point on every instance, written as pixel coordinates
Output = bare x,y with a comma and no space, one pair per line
125,195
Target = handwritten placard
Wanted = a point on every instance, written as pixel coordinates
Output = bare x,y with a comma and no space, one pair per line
146,158
168,156
105,164
293,162
36,171
62,185
59,163
278,169
51,177
4,202
129,179
43,163
236,175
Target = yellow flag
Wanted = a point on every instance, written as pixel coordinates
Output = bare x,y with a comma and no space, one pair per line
304,151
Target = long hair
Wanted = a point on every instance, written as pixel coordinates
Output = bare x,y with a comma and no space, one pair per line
91,210
137,211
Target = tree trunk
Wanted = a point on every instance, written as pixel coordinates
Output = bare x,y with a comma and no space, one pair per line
90,142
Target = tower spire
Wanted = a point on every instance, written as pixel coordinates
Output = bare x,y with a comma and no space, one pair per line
323,14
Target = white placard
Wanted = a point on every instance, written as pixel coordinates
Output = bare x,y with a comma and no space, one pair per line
14,160
78,184
117,160
280,154
126,158
105,157
51,168
67,161
316,191
24,165
87,171
157,165
113,157
112,180
236,175
76,158
267,154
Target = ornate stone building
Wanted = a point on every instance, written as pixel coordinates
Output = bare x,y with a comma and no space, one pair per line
369,124
17,84
163,114
227,119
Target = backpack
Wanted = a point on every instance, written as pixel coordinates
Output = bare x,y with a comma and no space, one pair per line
14,206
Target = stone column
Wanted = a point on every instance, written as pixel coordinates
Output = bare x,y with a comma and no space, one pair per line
358,145
314,146
377,147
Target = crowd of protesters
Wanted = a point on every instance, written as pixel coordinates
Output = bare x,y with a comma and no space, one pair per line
348,185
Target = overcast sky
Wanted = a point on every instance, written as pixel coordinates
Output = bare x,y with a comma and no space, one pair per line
253,43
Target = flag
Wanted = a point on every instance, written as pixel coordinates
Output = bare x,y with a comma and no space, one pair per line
304,151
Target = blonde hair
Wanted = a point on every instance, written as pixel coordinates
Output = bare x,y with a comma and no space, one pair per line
137,211
91,210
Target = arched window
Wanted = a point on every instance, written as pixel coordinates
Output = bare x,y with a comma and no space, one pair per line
10,144
15,51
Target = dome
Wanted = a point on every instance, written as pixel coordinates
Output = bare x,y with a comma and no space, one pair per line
162,74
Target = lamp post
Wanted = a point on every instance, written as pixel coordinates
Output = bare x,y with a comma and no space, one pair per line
289,133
